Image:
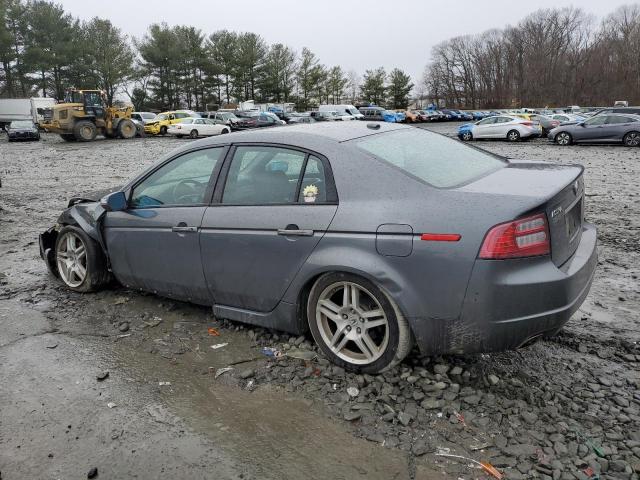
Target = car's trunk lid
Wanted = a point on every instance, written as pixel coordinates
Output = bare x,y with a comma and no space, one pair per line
557,190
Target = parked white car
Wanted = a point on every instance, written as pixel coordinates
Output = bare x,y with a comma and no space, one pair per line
197,127
501,126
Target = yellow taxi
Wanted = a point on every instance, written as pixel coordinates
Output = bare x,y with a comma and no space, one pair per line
160,124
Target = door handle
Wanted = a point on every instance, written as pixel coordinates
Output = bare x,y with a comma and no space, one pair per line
181,229
293,230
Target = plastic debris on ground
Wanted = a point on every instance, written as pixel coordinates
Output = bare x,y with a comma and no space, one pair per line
222,371
219,345
301,354
486,466
102,376
271,352
111,405
353,392
213,332
153,323
162,384
52,345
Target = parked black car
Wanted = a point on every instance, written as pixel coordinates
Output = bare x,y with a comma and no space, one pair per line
23,130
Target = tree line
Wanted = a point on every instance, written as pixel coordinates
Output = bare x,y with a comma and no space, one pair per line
45,50
553,57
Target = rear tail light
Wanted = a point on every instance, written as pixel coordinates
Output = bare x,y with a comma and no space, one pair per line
525,237
528,124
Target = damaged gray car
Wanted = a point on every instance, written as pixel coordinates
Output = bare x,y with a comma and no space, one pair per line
374,237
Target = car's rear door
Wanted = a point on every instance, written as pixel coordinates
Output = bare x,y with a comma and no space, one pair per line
261,226
154,244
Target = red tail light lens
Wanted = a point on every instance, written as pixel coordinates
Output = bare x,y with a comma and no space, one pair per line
528,124
525,237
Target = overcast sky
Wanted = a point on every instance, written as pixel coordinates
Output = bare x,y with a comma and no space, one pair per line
355,34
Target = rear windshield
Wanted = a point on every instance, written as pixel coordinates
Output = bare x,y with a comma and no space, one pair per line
430,157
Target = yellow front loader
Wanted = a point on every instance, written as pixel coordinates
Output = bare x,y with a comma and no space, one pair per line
85,114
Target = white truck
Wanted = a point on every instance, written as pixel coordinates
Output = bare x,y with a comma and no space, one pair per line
345,111
23,109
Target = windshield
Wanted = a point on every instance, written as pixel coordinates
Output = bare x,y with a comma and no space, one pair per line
430,157
148,116
22,124
353,111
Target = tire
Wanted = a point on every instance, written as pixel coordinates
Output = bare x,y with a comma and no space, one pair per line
163,130
355,348
466,136
224,131
563,139
85,131
75,251
193,134
68,137
126,129
632,139
513,135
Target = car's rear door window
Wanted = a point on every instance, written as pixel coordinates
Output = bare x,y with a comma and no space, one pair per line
263,175
429,157
182,181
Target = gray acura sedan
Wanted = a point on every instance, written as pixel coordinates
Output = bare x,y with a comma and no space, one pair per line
372,236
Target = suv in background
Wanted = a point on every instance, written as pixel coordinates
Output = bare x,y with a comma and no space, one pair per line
222,118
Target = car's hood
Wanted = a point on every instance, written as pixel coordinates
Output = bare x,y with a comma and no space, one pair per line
22,130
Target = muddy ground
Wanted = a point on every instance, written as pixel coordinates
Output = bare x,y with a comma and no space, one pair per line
567,408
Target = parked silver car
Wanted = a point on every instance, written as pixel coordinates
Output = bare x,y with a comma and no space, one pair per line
603,128
372,236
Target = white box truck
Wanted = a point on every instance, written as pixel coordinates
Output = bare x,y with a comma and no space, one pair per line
348,112
23,109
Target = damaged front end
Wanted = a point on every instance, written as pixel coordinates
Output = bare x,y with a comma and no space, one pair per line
82,212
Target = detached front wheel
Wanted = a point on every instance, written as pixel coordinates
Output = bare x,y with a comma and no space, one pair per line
80,263
356,325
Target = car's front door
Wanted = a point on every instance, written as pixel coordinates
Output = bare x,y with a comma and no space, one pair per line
268,215
591,130
483,128
153,244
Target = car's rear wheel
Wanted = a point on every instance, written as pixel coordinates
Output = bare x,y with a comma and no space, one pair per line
513,135
467,136
193,133
632,139
564,139
163,130
225,130
80,263
356,325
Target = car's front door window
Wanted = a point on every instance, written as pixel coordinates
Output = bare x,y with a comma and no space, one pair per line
599,120
182,181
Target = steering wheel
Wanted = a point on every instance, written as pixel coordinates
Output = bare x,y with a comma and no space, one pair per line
187,191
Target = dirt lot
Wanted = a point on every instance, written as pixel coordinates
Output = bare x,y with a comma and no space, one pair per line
568,408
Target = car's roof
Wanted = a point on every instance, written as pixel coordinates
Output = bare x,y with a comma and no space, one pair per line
303,134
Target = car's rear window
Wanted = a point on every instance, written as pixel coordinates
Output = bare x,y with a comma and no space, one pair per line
430,157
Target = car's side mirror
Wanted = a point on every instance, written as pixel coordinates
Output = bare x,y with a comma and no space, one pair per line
114,202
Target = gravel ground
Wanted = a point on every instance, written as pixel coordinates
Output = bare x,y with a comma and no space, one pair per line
566,408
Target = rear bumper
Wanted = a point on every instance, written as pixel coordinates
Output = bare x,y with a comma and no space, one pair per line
510,303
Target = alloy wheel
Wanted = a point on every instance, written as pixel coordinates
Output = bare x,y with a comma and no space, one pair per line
563,138
71,259
632,139
352,323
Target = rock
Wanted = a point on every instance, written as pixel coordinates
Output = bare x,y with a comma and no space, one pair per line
500,441
529,417
247,373
93,473
352,415
560,449
617,465
493,380
124,327
520,449
299,340
421,447
441,368
456,371
606,381
404,418
412,379
418,396
102,376
440,385
621,401
472,399
431,404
